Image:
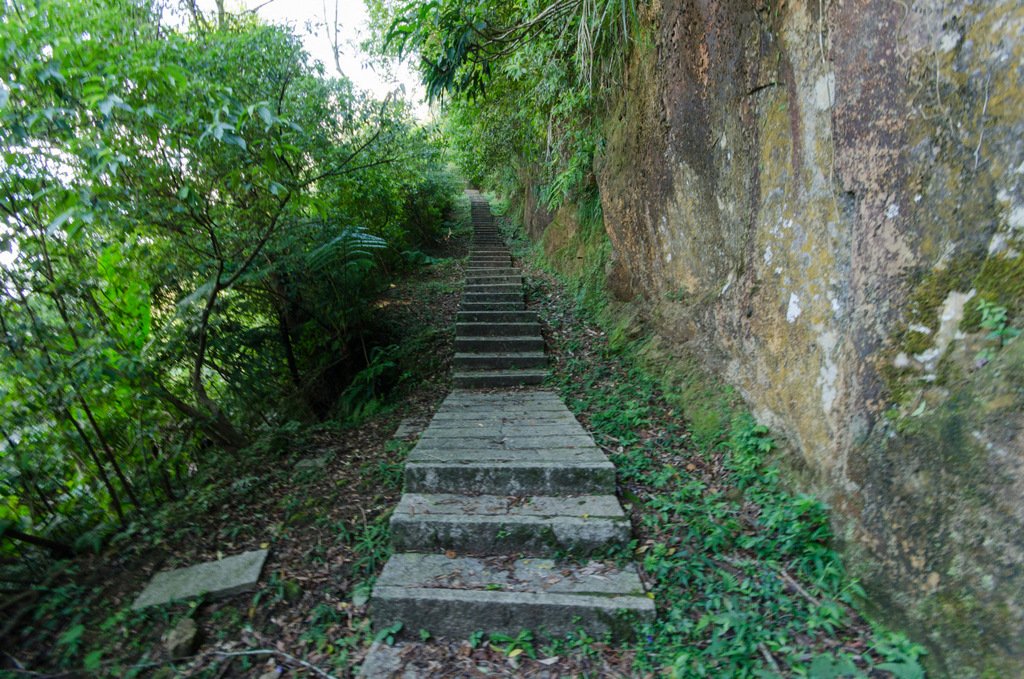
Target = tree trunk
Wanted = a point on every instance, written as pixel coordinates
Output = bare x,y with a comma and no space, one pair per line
59,550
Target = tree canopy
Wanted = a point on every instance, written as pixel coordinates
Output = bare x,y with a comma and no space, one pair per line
522,83
194,221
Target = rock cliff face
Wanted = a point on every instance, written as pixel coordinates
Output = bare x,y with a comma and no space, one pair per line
827,200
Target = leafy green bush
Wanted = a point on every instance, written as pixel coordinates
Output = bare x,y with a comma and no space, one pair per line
195,224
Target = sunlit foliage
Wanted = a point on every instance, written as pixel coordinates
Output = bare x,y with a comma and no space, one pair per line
194,221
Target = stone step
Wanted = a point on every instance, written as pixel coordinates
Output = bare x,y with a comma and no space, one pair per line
493,271
497,316
500,524
498,298
496,286
454,598
469,418
520,472
494,279
506,263
470,296
499,344
498,329
496,289
492,306
508,442
505,432
500,360
487,379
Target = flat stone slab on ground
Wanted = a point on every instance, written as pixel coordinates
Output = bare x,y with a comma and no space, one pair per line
313,462
225,577
383,662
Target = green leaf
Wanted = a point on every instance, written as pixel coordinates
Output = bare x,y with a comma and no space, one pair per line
111,102
267,116
236,140
903,670
92,661
59,221
72,635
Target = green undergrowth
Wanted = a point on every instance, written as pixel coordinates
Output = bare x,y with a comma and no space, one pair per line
743,571
318,495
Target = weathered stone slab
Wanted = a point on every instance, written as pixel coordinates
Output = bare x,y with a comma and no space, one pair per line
497,419
511,478
490,441
500,360
230,575
493,456
492,306
485,379
497,316
493,329
496,343
384,662
490,524
455,597
312,462
506,429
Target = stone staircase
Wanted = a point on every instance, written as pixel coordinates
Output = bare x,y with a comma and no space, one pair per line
506,496
497,342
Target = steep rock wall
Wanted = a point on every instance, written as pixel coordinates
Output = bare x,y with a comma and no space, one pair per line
816,196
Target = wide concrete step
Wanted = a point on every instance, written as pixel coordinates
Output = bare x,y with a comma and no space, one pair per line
495,279
492,306
500,421
484,297
508,434
480,288
490,258
501,524
497,317
500,360
492,379
455,597
520,472
509,442
494,271
498,344
496,329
